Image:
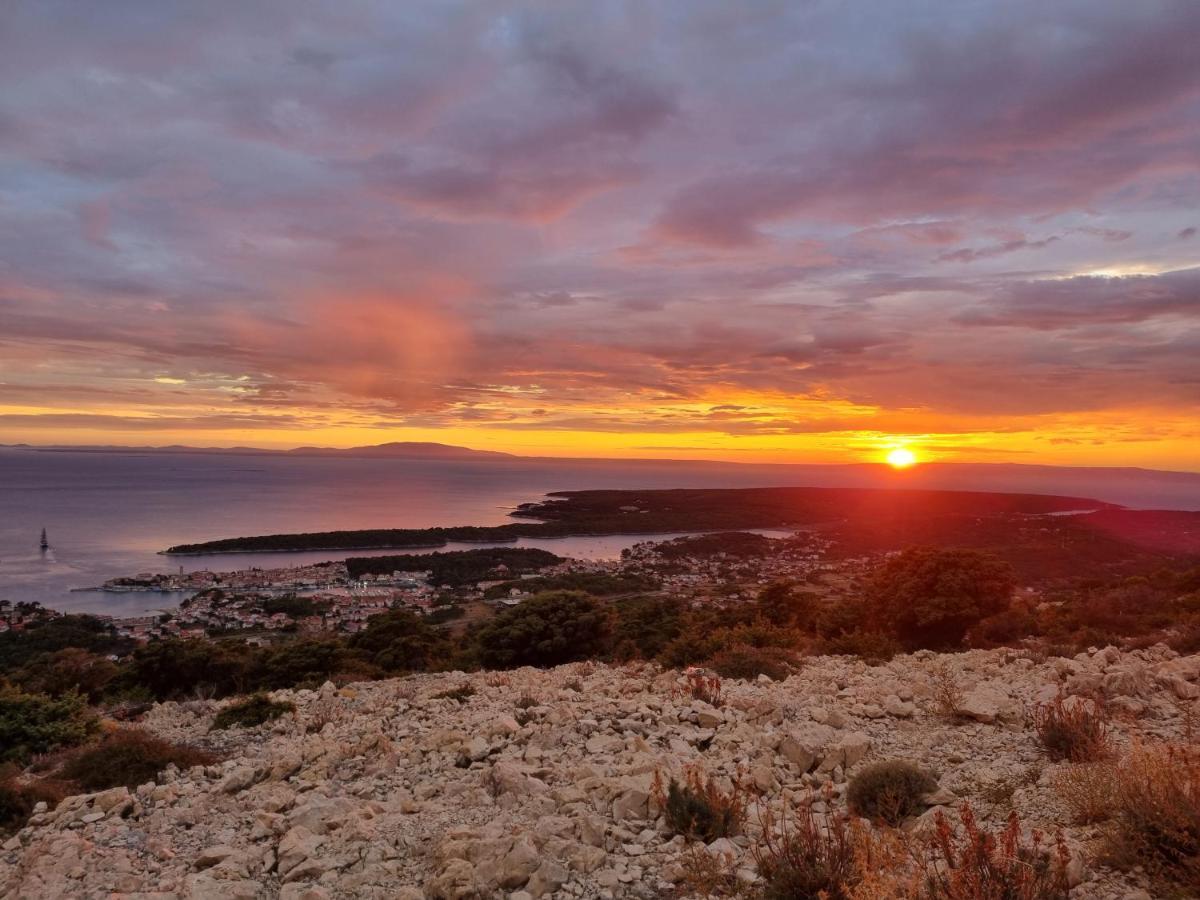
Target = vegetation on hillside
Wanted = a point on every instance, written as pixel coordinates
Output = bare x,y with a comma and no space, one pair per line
457,567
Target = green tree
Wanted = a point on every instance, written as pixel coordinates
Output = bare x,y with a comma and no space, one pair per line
647,624
309,661
57,633
929,598
546,630
174,668
399,641
71,669
782,603
35,723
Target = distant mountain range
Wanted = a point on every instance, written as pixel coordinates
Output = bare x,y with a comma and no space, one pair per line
393,450
1129,486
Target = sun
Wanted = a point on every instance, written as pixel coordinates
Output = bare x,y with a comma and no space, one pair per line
901,458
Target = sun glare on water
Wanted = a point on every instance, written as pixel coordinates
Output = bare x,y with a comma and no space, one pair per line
901,458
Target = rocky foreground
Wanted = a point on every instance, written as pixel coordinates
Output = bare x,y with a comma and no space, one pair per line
383,790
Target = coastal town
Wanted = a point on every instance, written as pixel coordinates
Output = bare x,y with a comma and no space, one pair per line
266,605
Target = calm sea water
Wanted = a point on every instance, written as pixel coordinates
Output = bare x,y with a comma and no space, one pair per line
108,514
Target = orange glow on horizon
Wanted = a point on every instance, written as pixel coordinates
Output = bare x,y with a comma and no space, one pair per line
732,427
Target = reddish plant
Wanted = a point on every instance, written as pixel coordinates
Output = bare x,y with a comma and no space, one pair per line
984,866
703,686
809,856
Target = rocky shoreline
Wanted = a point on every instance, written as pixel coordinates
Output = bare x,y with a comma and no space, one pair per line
541,783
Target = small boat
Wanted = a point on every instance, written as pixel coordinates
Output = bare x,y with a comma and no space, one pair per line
45,544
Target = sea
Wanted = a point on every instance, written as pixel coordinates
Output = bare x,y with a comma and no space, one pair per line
109,514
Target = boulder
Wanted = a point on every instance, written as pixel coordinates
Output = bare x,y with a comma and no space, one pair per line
519,863
212,856
295,848
455,881
549,877
631,804
988,705
238,780
805,745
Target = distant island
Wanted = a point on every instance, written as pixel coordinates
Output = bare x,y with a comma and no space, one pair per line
1124,486
1032,530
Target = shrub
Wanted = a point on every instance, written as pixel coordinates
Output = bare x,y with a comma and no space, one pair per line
47,635
309,661
872,646
546,630
889,791
18,798
808,858
251,712
782,603
175,668
399,641
1155,820
744,661
1005,629
71,669
1075,731
699,809
34,723
693,646
982,866
929,598
128,757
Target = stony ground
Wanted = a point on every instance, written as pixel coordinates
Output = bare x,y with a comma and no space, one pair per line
382,790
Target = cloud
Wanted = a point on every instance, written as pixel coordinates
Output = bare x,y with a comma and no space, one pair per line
971,254
734,219
1089,300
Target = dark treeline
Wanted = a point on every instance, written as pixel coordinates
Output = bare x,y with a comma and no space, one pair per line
458,567
739,544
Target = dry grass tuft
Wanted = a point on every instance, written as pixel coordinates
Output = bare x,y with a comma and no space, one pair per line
1087,790
1073,729
708,874
947,694
1155,816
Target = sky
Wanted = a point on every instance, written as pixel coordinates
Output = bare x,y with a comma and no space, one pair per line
810,231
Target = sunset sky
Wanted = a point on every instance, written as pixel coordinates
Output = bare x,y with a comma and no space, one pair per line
759,231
